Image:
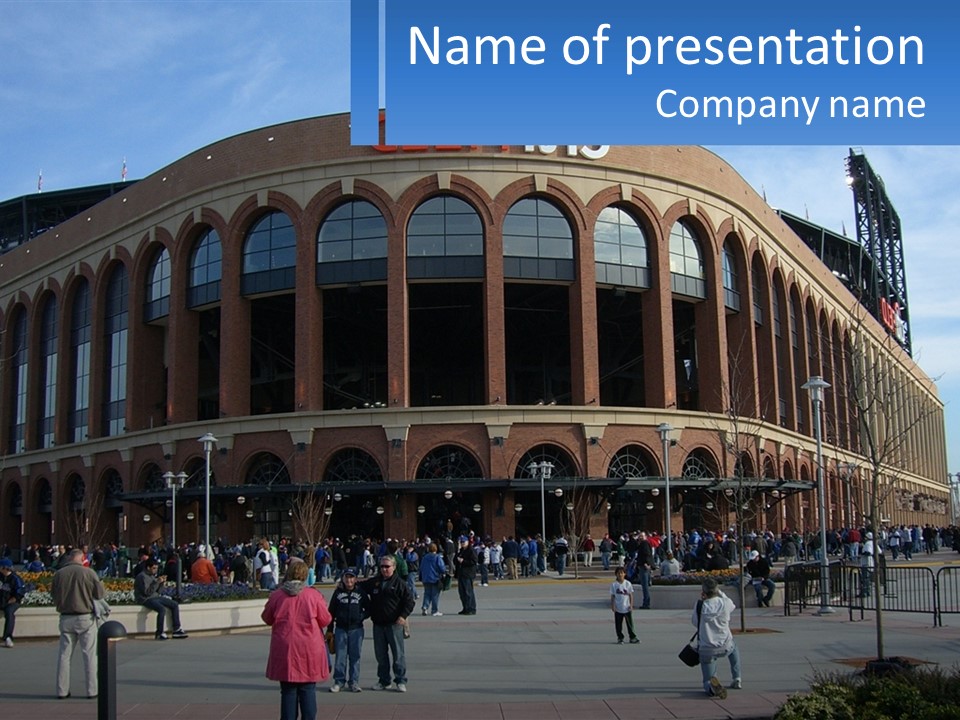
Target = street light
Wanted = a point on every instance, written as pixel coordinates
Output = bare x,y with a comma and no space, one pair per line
175,482
543,470
664,430
954,496
208,440
815,386
847,469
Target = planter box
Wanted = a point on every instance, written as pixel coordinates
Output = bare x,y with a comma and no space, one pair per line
684,597
44,622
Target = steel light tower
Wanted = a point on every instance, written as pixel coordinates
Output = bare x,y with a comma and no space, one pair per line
544,470
208,441
175,482
815,386
664,429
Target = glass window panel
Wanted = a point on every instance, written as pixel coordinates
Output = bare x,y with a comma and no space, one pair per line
463,224
555,227
465,245
519,246
425,246
632,235
633,256
367,249
520,225
607,253
370,227
345,212
334,230
606,233
423,224
283,257
257,242
335,251
556,248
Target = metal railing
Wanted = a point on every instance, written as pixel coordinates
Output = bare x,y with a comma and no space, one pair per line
902,588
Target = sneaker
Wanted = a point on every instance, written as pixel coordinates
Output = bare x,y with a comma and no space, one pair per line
736,685
635,641
484,584
620,641
8,642
180,634
401,687
381,686
438,614
354,687
717,689
160,636
335,688
423,611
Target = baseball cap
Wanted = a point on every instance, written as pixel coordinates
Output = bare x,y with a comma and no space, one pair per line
754,554
6,562
350,572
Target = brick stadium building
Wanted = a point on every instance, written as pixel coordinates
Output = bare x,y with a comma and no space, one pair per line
417,332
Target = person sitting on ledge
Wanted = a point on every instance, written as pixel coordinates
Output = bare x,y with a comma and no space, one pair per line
146,591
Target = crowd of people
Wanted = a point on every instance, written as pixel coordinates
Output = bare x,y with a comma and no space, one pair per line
375,581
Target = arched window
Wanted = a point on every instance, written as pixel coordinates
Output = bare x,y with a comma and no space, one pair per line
757,297
686,264
537,242
205,271
115,358
352,245
80,327
48,373
269,255
731,292
158,288
449,462
620,249
18,384
350,466
444,239
267,469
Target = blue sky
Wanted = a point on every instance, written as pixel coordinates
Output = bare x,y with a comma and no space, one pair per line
86,84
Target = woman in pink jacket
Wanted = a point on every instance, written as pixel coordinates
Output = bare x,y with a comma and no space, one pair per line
298,655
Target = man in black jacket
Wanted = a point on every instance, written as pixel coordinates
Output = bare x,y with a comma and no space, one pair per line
391,602
348,607
466,560
759,570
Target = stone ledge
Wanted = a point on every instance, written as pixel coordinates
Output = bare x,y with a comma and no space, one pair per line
684,597
44,622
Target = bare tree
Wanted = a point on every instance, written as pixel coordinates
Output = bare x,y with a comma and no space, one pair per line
86,520
580,504
887,411
312,513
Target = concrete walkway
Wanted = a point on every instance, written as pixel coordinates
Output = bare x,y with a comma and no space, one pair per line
541,648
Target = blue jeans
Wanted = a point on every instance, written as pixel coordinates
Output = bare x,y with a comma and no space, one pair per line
534,563
161,604
348,644
302,695
560,563
765,583
643,577
412,584
267,582
387,641
10,619
431,597
708,668
605,559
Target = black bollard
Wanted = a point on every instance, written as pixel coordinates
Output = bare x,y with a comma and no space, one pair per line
107,637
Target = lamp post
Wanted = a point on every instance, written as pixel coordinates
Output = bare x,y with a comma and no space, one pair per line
208,440
664,430
847,469
543,470
954,496
175,482
815,386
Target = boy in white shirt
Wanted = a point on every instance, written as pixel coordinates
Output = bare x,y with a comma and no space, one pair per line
621,602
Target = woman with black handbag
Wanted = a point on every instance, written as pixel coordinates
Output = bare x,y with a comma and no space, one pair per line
712,620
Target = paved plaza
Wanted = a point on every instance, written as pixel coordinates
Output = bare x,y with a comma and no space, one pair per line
541,648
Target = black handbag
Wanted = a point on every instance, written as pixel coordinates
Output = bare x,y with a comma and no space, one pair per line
690,655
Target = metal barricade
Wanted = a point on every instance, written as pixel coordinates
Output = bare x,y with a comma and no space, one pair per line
948,592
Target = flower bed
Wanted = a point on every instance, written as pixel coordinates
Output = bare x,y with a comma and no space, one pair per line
120,591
